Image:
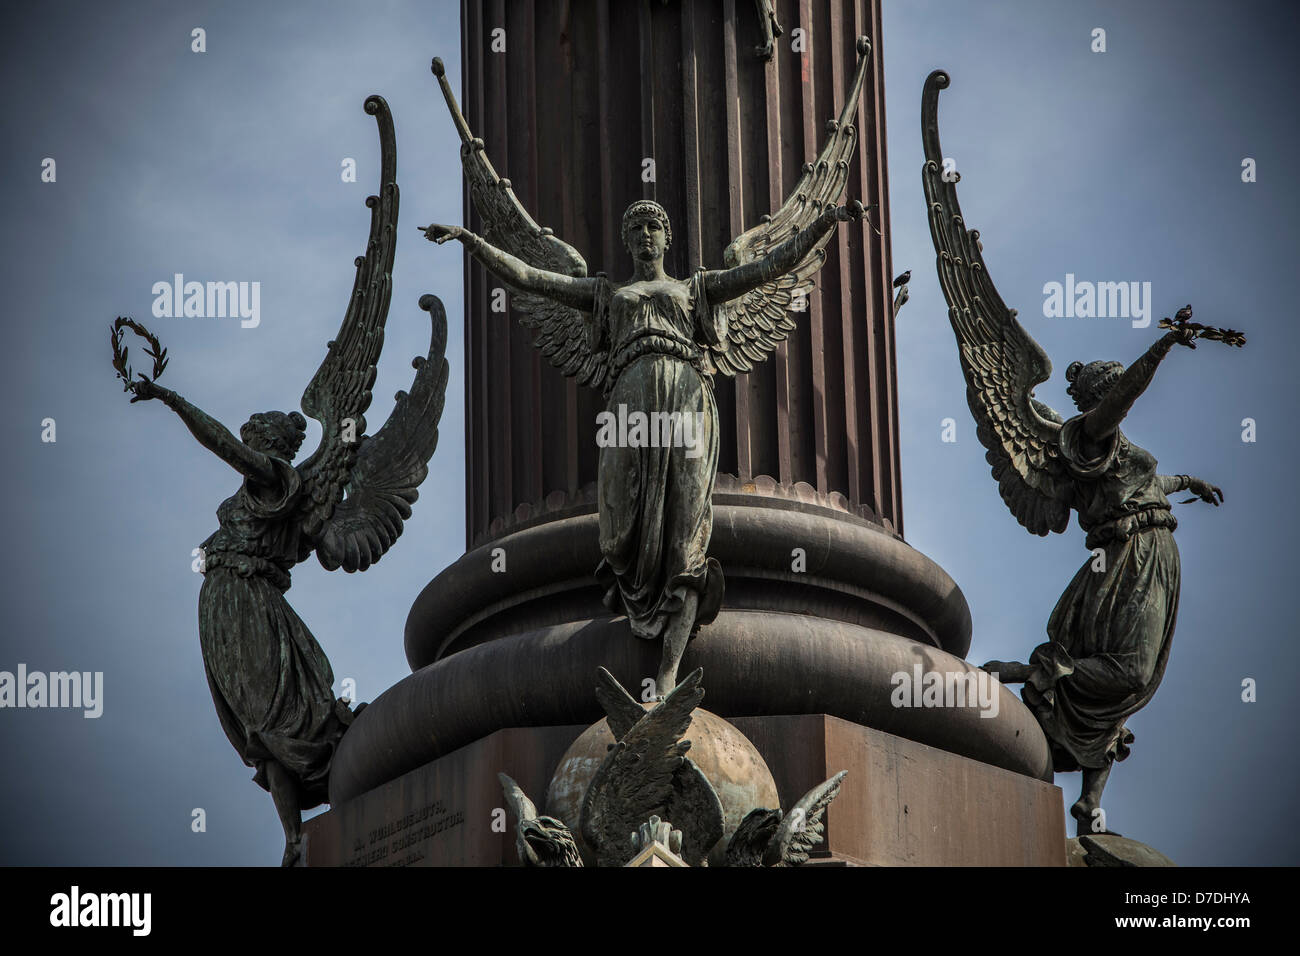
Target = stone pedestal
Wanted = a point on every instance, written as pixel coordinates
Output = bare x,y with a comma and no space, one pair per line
902,803
906,804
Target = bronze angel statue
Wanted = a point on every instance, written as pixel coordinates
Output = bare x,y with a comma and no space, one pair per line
270,680
652,344
1111,630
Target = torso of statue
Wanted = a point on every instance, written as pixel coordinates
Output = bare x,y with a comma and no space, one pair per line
656,307
259,530
1117,491
655,317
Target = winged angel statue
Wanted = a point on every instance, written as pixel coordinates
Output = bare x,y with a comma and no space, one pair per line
1111,630
270,680
652,344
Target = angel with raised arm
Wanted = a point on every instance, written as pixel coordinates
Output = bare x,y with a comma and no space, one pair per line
652,344
270,680
1111,630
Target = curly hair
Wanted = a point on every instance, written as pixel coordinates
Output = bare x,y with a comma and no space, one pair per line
1090,383
647,209
283,433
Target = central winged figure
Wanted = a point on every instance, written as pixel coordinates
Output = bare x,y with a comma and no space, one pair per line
652,344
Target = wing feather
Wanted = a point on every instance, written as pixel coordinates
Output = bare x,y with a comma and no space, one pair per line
804,826
637,777
622,710
561,332
1000,360
521,807
339,393
391,465
758,321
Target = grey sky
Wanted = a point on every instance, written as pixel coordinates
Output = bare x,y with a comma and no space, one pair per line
225,166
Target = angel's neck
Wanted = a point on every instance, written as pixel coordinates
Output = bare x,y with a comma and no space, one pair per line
648,270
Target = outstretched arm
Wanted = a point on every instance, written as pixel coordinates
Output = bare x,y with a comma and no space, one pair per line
211,434
577,293
722,285
1172,484
1102,421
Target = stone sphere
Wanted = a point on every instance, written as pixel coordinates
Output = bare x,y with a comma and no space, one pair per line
727,758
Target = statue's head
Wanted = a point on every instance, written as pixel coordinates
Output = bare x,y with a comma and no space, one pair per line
647,232
274,433
1090,383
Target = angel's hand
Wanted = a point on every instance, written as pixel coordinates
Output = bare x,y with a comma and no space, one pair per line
1182,335
1205,491
439,233
143,390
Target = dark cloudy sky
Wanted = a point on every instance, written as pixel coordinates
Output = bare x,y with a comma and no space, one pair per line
1115,166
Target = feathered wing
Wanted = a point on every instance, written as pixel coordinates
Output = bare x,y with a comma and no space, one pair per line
521,808
390,465
692,806
561,332
639,777
1001,362
696,810
339,393
804,826
759,321
622,710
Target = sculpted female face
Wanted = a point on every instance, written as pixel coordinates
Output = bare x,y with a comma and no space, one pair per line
646,238
646,230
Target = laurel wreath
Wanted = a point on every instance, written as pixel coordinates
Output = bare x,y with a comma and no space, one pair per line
153,349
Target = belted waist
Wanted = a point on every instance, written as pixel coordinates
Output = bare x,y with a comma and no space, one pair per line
1125,526
247,566
653,344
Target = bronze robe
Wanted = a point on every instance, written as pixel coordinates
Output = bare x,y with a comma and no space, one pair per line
1112,629
656,511
271,682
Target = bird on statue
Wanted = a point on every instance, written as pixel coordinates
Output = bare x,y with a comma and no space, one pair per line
539,840
771,838
901,285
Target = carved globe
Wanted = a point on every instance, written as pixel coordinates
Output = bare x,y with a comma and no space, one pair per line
725,755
